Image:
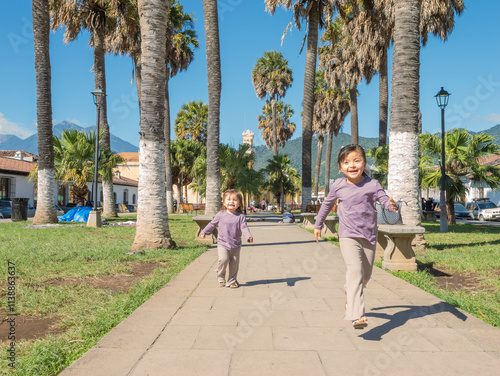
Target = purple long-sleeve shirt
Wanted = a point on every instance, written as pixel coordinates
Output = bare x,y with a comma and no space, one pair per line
356,209
231,226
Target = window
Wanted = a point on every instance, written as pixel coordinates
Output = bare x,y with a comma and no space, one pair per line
4,188
133,199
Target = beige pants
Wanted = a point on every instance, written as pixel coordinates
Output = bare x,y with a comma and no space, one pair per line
358,255
231,259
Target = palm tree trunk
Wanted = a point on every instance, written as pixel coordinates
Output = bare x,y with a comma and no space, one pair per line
46,212
384,100
168,162
152,229
275,128
328,159
321,139
309,80
353,95
213,194
138,78
403,147
109,208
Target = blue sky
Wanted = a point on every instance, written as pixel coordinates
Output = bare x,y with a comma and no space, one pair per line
466,66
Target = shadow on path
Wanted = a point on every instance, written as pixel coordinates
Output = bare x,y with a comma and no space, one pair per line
289,281
402,317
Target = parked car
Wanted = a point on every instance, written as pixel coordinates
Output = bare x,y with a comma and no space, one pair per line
460,211
484,210
59,212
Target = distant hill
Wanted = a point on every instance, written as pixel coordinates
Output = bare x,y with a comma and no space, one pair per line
293,148
30,144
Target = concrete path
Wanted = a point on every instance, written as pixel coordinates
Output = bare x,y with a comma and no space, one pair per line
286,319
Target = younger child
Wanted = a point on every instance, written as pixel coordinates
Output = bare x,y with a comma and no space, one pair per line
357,194
232,223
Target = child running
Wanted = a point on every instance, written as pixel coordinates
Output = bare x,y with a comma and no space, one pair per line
357,194
232,223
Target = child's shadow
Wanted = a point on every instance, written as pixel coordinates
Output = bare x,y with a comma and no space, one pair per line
289,281
402,317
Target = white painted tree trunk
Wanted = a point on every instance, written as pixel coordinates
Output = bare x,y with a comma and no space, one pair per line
109,208
45,210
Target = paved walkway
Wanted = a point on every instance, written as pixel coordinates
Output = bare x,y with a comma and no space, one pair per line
286,319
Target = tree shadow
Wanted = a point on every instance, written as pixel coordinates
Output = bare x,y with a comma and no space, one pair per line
402,317
289,281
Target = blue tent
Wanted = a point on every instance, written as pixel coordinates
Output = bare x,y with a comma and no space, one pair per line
78,214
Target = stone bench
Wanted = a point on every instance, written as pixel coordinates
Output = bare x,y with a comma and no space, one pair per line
428,215
329,226
394,245
308,219
202,221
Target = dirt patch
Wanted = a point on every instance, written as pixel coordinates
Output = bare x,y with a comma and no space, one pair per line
448,280
32,327
116,282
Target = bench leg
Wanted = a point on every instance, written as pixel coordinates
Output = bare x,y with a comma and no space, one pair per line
209,239
398,254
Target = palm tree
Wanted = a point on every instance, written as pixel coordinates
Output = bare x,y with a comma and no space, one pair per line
152,219
191,122
285,129
463,153
213,194
46,212
281,177
316,13
181,42
272,77
92,15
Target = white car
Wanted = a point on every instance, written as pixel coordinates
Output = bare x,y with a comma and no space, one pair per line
484,210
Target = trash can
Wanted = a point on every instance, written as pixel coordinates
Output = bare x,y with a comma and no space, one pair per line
19,209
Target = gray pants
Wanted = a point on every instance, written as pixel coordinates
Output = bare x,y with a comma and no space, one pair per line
358,255
231,259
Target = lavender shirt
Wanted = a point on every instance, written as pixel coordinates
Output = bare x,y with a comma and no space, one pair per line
356,209
231,227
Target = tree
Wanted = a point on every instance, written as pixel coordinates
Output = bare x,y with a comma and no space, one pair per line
191,122
46,212
316,13
280,177
272,77
152,229
213,195
181,42
463,153
284,128
93,16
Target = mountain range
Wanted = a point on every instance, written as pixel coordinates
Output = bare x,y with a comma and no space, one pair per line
30,144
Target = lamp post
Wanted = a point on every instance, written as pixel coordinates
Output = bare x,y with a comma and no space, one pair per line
442,101
95,215
182,179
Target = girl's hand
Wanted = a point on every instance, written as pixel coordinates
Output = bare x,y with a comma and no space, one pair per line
250,240
317,234
202,236
394,204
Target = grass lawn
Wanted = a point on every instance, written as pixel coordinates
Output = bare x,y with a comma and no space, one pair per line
75,283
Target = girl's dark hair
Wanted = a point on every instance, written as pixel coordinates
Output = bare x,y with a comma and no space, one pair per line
238,195
346,150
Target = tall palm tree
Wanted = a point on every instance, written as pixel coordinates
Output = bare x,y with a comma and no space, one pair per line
316,13
93,16
152,219
284,127
272,77
463,152
181,42
213,195
46,212
191,122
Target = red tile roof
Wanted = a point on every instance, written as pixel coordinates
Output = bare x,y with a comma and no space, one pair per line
122,180
129,156
16,166
12,153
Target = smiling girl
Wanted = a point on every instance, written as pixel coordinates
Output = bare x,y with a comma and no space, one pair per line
232,224
357,194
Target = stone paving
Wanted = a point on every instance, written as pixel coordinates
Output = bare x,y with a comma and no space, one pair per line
286,319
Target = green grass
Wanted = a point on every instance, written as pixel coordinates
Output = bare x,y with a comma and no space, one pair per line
467,250
84,313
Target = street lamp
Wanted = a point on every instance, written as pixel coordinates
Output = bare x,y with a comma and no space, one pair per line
94,215
442,101
182,179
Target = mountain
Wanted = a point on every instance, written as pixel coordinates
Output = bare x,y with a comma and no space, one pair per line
30,144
